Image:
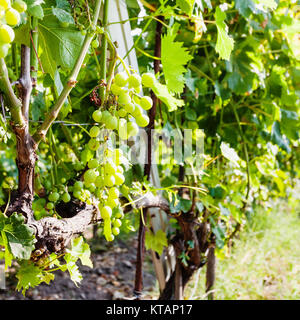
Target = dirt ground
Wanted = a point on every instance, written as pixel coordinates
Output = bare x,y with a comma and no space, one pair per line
112,277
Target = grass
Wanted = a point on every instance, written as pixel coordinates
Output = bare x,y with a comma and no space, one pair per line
264,263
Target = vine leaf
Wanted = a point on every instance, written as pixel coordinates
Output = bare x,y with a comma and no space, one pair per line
17,237
60,46
173,64
81,250
230,153
186,6
225,43
156,241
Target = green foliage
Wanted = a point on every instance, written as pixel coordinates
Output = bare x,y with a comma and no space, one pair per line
156,241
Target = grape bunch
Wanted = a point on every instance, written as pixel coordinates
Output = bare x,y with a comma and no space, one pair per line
103,165
9,17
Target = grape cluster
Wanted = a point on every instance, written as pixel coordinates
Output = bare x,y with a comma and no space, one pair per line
103,172
9,17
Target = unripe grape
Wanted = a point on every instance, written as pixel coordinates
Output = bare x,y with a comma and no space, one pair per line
54,196
109,180
4,3
137,111
117,223
97,115
119,178
122,112
12,17
95,43
124,98
93,144
134,81
19,5
112,202
122,130
115,231
93,163
132,129
7,34
77,194
113,193
99,182
94,131
119,215
110,237
4,50
66,197
146,103
105,116
91,187
129,107
120,169
121,79
78,185
142,120
64,24
115,89
110,168
50,205
105,212
148,80
112,123
90,176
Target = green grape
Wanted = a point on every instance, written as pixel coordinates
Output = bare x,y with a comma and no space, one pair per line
92,187
136,99
7,34
95,43
138,111
99,182
134,80
122,130
19,5
111,123
105,116
110,168
115,231
132,129
117,223
142,120
119,178
64,24
148,80
109,180
78,185
66,197
93,163
97,115
4,50
113,193
83,32
93,144
146,103
122,112
54,196
124,98
94,131
50,205
119,215
77,194
129,107
4,3
90,176
121,79
110,237
115,89
112,202
105,212
63,180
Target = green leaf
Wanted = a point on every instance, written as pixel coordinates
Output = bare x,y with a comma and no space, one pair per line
62,15
81,250
163,94
38,107
225,43
19,236
36,11
173,64
186,6
29,276
229,153
61,46
75,274
156,241
278,138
